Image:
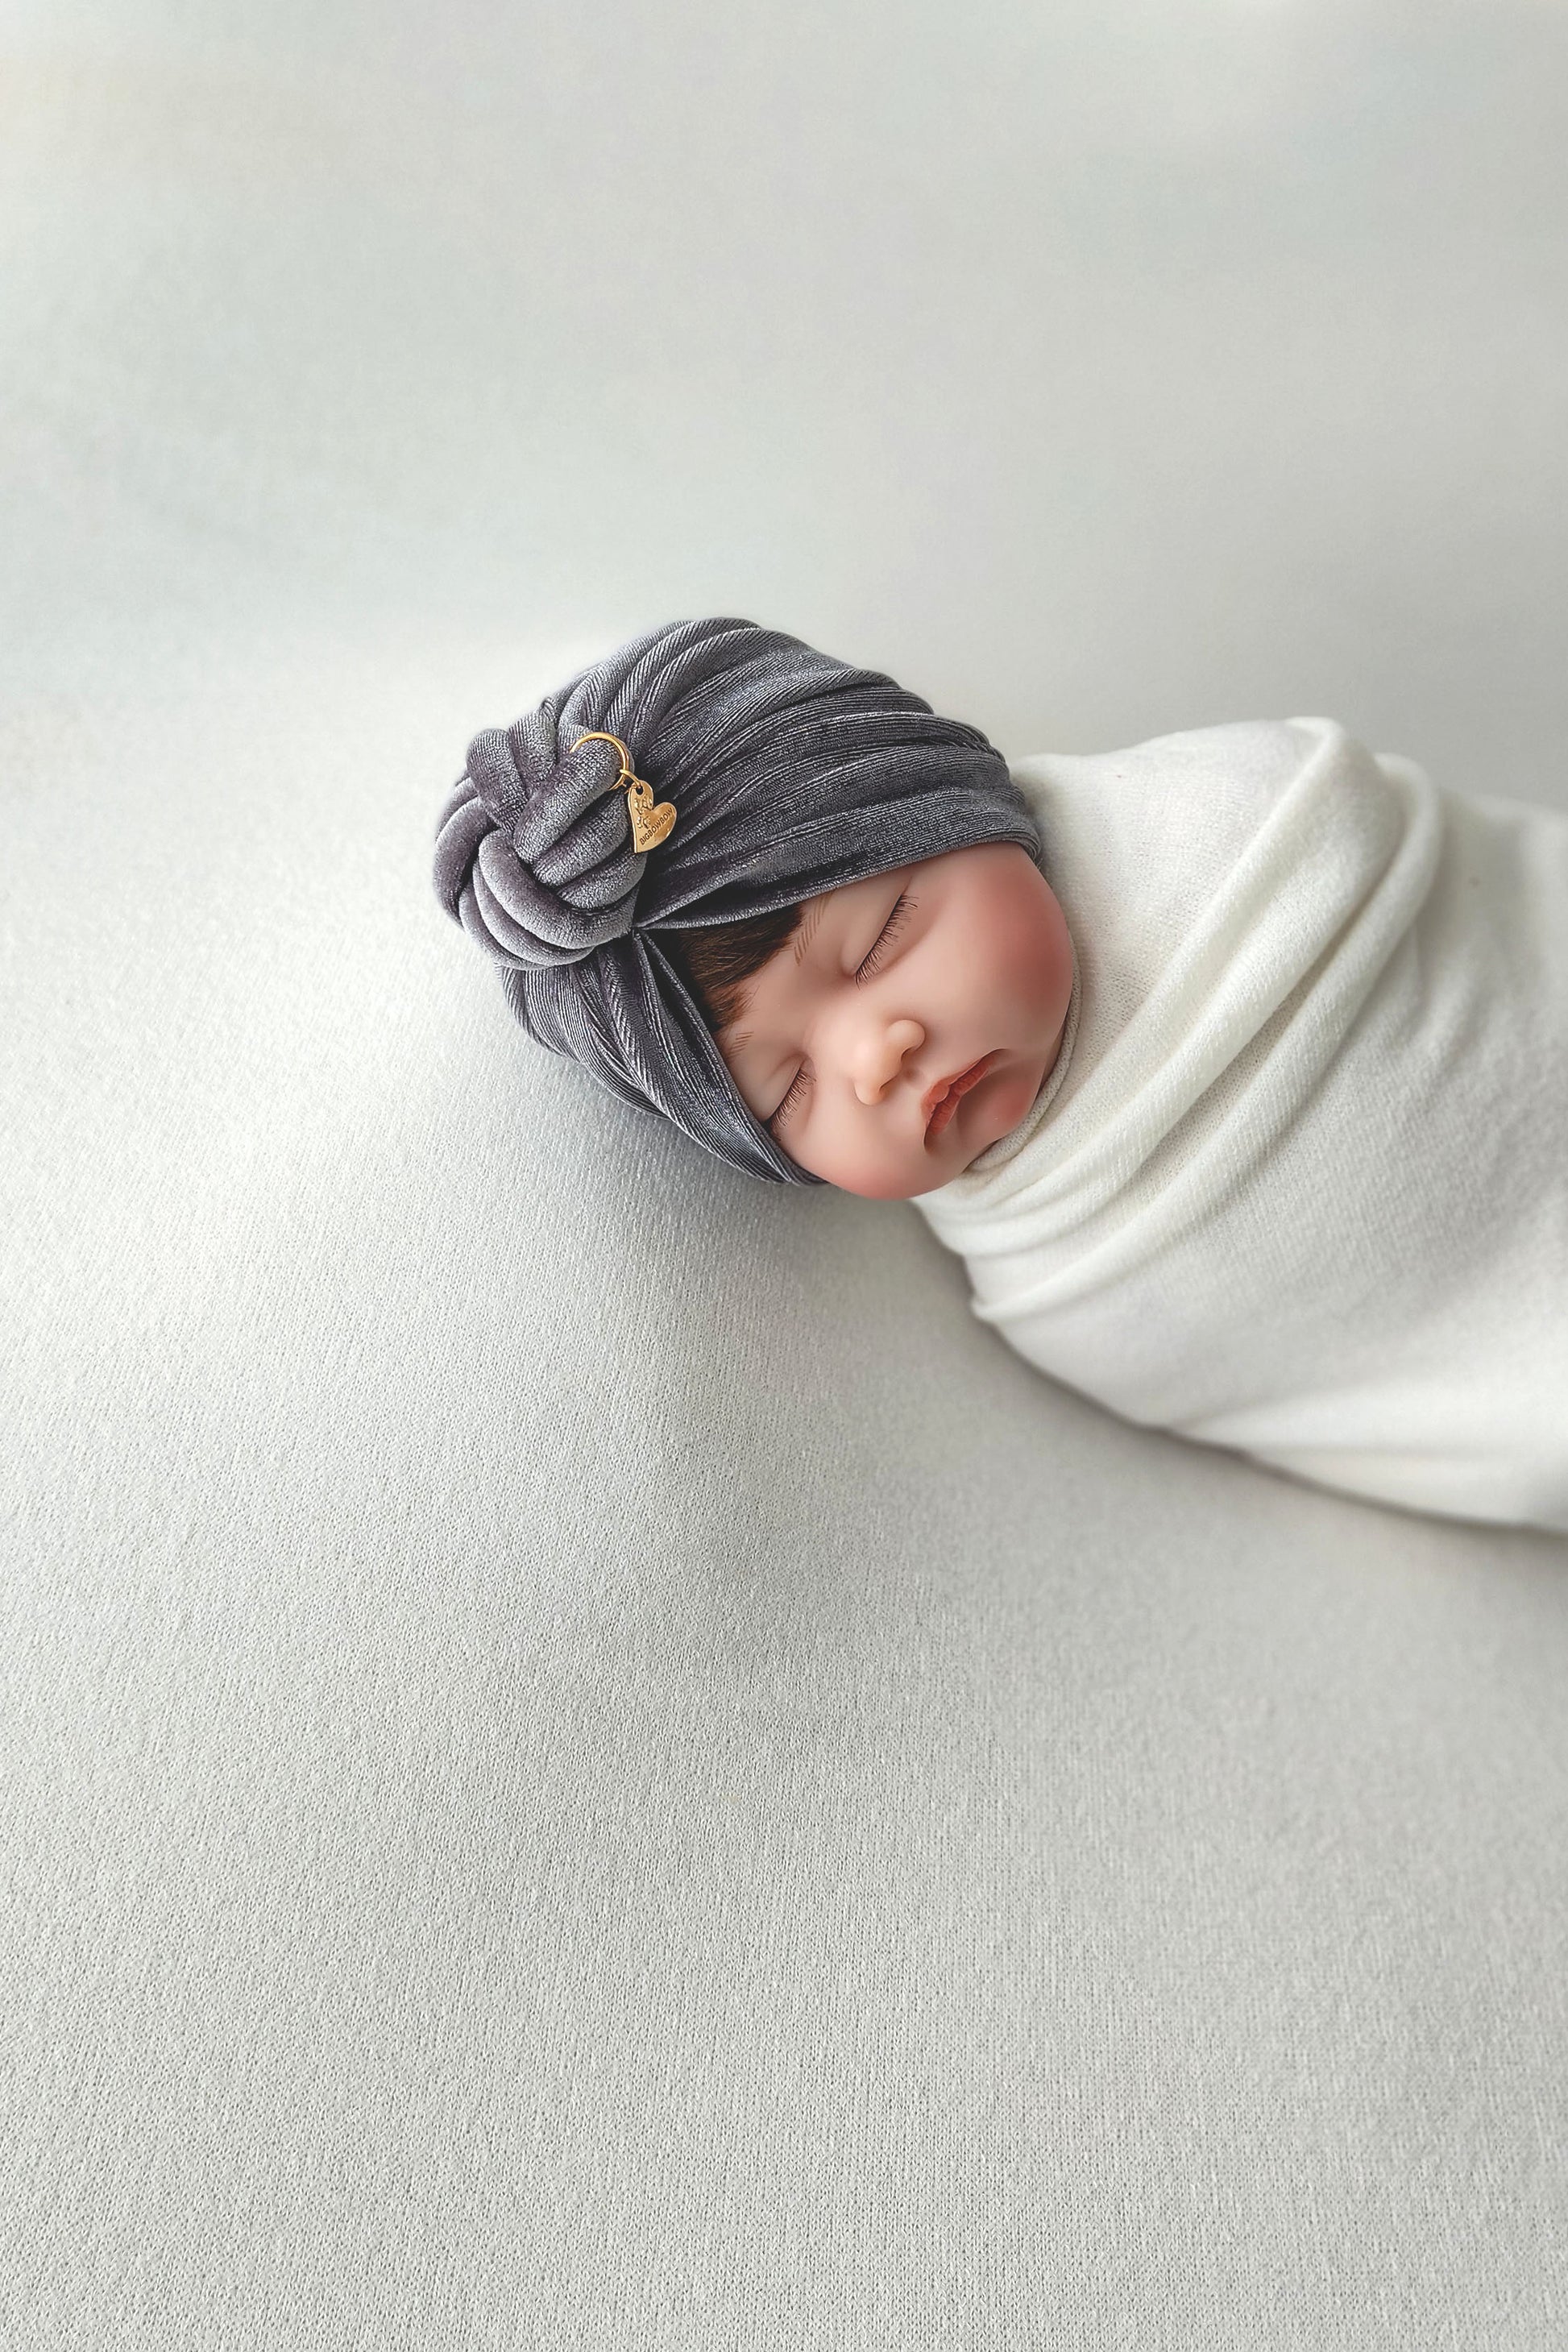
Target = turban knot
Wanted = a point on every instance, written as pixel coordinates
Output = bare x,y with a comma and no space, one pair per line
535,859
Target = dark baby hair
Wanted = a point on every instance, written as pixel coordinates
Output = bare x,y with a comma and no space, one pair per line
716,959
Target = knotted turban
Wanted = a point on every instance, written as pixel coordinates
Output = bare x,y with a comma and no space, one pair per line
791,774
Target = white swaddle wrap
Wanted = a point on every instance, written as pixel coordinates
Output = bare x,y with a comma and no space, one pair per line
1297,1183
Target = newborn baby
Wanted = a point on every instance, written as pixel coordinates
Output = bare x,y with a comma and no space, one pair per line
1233,1064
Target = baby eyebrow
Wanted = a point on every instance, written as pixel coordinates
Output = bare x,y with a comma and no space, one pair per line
807,930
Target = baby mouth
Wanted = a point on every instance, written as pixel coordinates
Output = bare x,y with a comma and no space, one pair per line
952,1091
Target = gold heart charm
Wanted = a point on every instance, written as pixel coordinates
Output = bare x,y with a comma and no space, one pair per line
649,825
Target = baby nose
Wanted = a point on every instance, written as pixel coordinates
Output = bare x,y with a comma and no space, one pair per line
883,1056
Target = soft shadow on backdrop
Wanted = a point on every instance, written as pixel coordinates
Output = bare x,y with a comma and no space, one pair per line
587,1758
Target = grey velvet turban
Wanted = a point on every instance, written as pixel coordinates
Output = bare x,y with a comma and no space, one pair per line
791,774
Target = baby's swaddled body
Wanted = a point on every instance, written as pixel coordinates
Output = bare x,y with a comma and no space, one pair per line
1299,1182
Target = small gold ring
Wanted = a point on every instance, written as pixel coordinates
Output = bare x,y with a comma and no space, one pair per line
597,735
650,826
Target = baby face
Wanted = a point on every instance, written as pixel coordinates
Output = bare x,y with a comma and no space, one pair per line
911,1020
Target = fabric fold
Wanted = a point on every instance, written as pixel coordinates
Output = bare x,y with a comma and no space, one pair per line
1303,1191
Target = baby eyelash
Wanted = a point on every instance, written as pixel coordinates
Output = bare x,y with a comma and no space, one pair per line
901,906
797,1082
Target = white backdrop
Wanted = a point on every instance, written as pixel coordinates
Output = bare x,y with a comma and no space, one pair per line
586,1759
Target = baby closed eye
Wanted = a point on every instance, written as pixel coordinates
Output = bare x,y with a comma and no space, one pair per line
795,1089
886,936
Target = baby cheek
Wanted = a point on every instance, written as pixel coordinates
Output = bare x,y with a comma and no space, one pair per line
888,1173
874,1166
1024,953
1015,1093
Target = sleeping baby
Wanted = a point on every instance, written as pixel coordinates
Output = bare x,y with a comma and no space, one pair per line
1233,1065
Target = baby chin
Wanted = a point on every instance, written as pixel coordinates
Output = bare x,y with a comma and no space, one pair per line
1000,1103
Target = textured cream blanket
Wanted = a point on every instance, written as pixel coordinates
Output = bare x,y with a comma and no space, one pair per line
1298,1181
